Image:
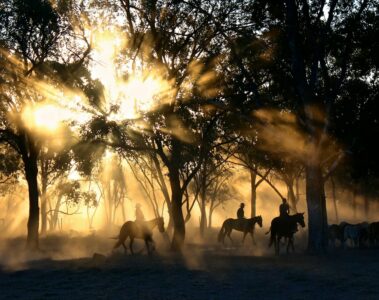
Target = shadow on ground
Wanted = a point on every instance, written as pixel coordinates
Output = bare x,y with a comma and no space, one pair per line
203,271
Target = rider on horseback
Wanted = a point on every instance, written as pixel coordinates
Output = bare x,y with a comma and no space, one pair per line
241,215
284,213
139,213
284,209
240,212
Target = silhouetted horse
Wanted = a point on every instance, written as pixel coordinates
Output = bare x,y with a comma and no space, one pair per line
139,230
244,225
374,233
335,234
285,227
357,233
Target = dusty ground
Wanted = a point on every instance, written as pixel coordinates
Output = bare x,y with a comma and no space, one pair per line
67,270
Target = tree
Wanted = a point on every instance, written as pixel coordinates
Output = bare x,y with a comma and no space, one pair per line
311,42
53,164
30,34
31,30
219,191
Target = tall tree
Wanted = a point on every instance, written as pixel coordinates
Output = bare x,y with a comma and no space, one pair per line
30,33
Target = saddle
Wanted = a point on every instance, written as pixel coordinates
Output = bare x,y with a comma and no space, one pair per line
241,223
286,221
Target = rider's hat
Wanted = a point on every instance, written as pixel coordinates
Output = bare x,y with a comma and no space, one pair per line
242,204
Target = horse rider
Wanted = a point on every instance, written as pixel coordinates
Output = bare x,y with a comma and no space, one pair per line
284,213
284,209
241,214
139,214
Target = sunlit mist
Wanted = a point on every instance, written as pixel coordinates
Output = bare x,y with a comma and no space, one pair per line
127,92
44,117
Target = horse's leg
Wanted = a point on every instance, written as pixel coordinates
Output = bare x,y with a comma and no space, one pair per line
244,236
131,245
125,249
252,238
228,233
290,245
344,243
150,244
147,246
278,245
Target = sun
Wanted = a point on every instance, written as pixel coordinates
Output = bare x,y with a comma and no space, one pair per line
140,94
142,91
43,118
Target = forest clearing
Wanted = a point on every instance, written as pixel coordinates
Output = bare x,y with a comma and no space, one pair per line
184,149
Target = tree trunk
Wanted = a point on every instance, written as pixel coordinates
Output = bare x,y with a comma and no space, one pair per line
43,212
55,215
176,210
334,199
253,195
210,217
291,195
163,188
43,196
31,172
203,215
297,189
317,218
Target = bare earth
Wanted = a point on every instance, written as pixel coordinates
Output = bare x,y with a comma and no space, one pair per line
203,272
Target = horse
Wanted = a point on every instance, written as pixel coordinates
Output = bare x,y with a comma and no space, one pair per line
139,230
357,233
335,234
374,233
244,225
287,227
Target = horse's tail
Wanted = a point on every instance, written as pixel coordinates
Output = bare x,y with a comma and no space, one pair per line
118,244
221,233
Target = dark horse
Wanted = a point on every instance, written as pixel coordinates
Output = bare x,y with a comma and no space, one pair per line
244,225
139,230
285,227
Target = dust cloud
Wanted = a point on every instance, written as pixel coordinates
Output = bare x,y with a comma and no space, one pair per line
73,238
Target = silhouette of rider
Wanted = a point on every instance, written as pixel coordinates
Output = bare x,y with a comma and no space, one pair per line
240,212
284,209
139,214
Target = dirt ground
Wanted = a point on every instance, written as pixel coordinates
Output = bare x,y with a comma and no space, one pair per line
68,270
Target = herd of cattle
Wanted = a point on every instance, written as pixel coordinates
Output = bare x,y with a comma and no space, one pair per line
359,235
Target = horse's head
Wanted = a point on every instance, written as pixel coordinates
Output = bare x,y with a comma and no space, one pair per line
260,221
300,219
160,223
